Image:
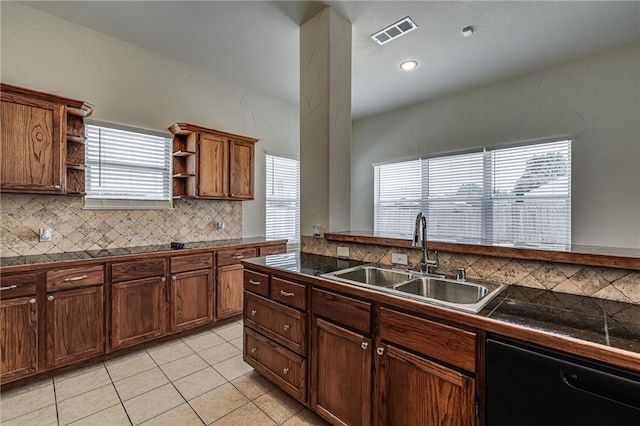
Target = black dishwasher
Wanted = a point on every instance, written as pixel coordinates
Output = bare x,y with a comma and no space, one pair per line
531,385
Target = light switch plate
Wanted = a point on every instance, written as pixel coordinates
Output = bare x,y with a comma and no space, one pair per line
343,251
398,259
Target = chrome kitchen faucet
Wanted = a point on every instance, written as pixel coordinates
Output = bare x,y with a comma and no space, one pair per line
425,262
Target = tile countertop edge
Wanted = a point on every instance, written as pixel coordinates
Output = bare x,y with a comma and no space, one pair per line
84,258
580,347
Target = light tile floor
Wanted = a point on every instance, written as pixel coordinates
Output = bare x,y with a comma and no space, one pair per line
194,380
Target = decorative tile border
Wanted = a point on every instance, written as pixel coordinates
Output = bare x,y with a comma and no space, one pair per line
74,229
608,283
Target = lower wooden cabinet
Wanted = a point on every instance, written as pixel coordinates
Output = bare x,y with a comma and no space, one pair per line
74,325
341,378
137,311
412,390
18,338
191,299
228,291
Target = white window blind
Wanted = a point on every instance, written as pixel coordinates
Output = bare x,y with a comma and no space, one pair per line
283,199
398,192
517,195
127,169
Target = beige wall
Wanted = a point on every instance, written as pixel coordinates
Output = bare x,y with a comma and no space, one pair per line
136,87
595,100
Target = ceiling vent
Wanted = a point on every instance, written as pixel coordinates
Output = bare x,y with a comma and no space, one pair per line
394,31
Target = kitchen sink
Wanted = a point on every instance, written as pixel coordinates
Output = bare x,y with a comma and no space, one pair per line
463,295
372,275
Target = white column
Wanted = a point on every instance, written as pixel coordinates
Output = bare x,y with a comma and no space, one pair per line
325,122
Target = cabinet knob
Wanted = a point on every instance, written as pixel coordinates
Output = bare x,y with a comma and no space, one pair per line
174,278
32,301
364,345
286,327
285,371
254,312
286,293
380,351
56,186
49,298
254,350
164,279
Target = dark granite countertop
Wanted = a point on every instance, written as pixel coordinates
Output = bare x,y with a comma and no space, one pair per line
95,254
605,322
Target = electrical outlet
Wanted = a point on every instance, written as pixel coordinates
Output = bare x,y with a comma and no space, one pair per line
45,234
343,251
399,259
220,226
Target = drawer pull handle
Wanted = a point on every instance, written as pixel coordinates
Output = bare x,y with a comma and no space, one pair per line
286,293
380,351
10,287
274,252
81,277
286,327
32,301
237,256
254,350
254,282
254,312
49,298
285,370
364,345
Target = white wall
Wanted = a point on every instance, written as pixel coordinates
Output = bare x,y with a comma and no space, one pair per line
133,86
595,100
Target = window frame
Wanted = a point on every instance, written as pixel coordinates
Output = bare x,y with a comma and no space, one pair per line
93,201
293,240
489,200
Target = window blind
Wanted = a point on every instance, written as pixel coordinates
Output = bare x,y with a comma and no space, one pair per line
127,169
398,189
518,195
283,199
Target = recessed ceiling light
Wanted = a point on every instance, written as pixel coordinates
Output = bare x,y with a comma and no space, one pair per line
408,65
394,31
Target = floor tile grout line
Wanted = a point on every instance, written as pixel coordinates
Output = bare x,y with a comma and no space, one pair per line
96,412
113,383
55,401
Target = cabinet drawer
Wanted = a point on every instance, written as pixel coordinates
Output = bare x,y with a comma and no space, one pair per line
17,286
276,363
192,262
439,341
344,310
282,324
231,257
75,277
138,269
256,282
289,293
272,249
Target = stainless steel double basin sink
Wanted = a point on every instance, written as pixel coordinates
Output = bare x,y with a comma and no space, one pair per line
463,295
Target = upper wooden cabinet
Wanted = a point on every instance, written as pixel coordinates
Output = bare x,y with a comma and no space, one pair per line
43,142
211,164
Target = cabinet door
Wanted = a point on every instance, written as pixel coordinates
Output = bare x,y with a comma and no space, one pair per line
341,378
31,139
241,169
228,291
18,338
75,328
136,311
191,299
415,391
213,166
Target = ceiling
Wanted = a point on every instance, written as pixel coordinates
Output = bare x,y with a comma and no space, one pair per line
256,43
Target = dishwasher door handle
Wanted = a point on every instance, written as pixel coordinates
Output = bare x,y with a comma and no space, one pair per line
600,385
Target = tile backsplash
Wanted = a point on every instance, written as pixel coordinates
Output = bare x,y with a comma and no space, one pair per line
75,229
607,283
